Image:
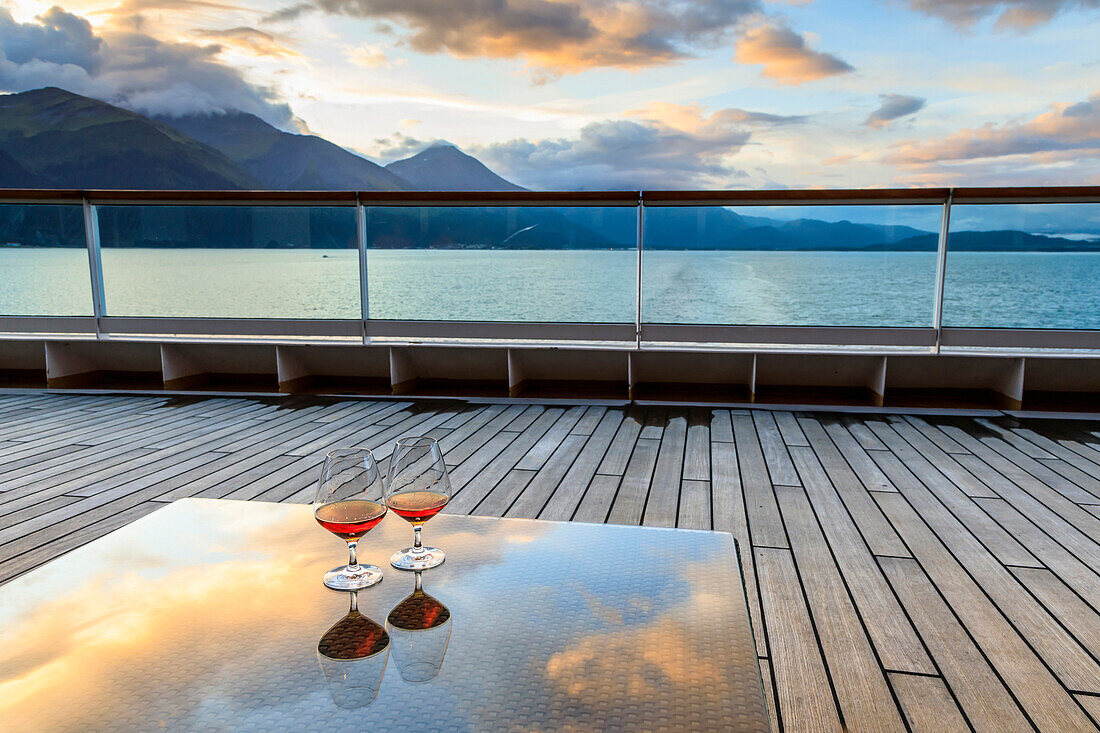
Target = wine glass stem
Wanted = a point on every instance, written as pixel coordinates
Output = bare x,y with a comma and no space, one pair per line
353,563
416,539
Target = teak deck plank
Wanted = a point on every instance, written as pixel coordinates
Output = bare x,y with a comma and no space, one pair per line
1079,618
694,505
856,455
939,478
927,704
728,513
891,633
765,524
597,501
876,531
987,703
472,487
776,458
565,500
805,699
1030,681
928,573
664,492
630,500
857,676
618,453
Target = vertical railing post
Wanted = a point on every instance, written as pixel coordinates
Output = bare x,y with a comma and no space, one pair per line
639,241
941,268
95,265
361,240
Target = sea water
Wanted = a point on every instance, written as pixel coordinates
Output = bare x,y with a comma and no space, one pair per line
1012,290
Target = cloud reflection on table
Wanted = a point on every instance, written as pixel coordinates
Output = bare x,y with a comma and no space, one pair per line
218,628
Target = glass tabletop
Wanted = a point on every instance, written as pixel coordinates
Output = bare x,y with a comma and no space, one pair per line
211,615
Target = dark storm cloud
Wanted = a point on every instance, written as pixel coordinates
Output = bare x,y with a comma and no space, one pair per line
892,107
130,69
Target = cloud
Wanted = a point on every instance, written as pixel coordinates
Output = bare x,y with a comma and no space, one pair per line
690,116
248,40
785,56
1020,15
552,37
130,69
368,57
1065,131
400,146
58,38
682,150
893,106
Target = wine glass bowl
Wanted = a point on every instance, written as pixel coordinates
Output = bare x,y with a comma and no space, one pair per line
418,487
349,502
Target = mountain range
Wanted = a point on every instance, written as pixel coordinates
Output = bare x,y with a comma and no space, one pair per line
51,138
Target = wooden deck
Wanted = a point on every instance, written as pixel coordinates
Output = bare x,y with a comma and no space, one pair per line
930,573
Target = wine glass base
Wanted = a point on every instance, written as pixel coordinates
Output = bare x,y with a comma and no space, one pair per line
341,579
410,559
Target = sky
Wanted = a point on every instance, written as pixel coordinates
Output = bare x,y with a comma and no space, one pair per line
620,94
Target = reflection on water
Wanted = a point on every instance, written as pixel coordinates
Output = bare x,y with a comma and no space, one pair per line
353,655
421,628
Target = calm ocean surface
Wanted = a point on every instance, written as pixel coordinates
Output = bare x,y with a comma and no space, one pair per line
1030,290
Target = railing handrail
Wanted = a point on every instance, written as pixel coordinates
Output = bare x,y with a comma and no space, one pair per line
731,197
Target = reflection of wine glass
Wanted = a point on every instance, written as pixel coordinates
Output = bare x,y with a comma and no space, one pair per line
420,627
418,488
349,502
353,655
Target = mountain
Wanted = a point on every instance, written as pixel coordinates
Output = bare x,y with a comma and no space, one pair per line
284,160
15,175
65,140
475,227
1007,240
446,168
714,227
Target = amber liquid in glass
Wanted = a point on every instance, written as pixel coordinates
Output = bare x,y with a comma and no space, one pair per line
350,520
417,506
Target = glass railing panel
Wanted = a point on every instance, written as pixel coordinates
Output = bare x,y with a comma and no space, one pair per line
535,264
790,265
43,261
1023,266
230,261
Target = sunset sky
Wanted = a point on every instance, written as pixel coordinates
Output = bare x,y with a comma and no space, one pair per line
614,93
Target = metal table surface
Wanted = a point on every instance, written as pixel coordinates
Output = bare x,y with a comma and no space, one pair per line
208,615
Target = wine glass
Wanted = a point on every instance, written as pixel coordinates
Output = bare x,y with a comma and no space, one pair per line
352,655
418,488
420,629
350,501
